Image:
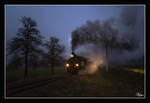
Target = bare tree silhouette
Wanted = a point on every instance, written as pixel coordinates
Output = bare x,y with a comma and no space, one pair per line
54,51
27,41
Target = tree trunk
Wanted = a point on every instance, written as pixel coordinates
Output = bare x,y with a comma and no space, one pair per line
26,63
52,67
26,58
107,64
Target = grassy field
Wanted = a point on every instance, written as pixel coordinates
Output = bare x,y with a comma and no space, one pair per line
117,82
16,75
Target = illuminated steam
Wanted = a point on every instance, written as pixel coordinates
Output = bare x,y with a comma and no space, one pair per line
94,55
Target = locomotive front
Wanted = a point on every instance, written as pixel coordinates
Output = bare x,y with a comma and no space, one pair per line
75,63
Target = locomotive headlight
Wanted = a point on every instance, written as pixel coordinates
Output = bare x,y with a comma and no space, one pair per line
77,64
71,55
67,65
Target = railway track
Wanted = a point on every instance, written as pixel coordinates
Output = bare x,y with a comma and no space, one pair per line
24,87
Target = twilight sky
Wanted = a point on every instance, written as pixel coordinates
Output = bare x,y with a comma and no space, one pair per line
60,21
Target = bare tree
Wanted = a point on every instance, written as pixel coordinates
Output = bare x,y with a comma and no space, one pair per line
54,51
27,40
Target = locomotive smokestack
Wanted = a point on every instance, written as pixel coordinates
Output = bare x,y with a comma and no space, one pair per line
72,51
72,54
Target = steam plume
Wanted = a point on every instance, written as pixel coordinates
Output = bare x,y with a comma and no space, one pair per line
94,55
127,24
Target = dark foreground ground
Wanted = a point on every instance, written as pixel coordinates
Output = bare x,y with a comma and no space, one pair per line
115,83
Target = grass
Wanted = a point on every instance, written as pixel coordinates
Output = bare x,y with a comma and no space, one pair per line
84,85
117,82
16,75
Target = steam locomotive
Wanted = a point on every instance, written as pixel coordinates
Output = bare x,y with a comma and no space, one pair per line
76,63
